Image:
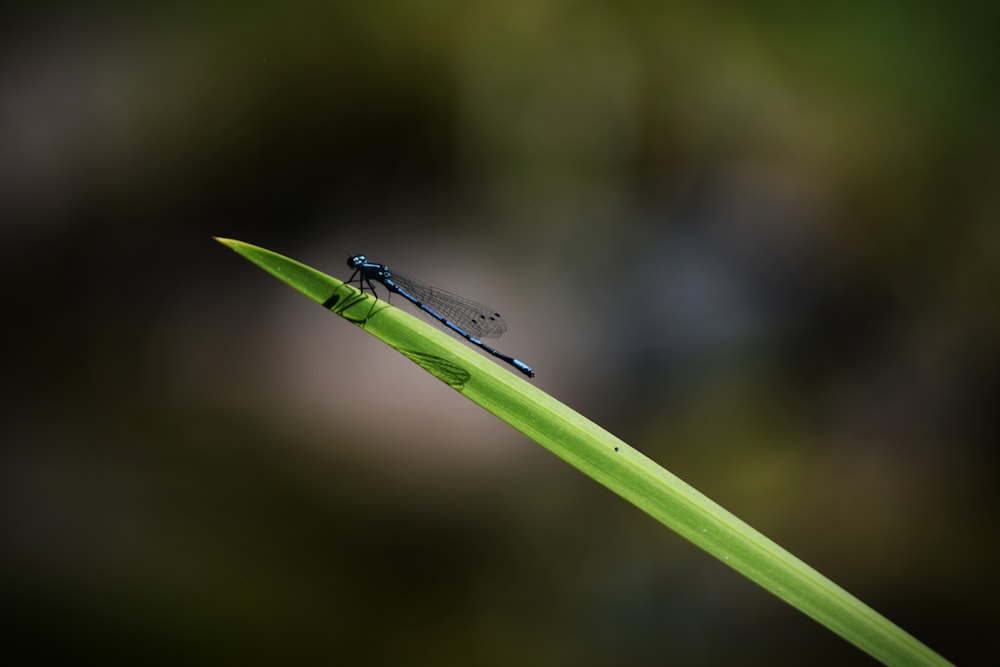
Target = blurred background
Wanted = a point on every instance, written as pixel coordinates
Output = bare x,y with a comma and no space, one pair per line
759,242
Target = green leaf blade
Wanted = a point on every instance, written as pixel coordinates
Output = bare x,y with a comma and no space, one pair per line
607,460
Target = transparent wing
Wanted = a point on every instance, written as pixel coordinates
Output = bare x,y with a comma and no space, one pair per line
476,319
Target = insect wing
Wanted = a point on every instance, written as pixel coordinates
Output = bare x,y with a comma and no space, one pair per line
475,318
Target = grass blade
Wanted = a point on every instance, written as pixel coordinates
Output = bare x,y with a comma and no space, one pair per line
606,459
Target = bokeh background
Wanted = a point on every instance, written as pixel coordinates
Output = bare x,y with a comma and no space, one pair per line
758,241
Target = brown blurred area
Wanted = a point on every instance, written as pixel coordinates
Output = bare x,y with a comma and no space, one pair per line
758,242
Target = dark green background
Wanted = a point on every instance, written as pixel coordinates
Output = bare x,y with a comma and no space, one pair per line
758,241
